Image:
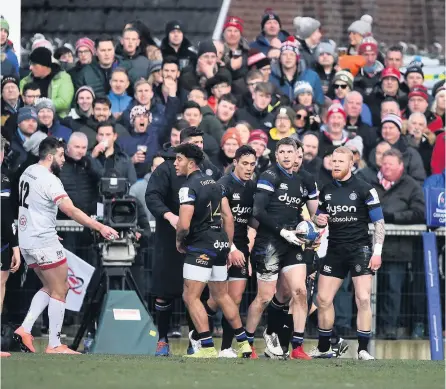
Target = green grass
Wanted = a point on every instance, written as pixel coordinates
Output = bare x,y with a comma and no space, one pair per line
39,371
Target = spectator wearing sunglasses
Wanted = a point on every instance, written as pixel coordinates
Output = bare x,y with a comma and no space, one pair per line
305,122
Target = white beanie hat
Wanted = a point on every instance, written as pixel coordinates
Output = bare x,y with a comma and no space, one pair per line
362,26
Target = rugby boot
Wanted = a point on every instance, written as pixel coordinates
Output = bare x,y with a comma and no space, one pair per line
299,353
244,350
204,352
364,355
315,353
25,340
162,349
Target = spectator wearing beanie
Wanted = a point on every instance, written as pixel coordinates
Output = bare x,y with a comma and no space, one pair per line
357,31
218,86
357,148
283,128
7,47
271,35
258,140
53,82
419,102
229,144
309,36
205,68
391,127
334,132
142,143
413,77
370,73
289,70
389,86
325,64
11,101
83,109
259,61
438,108
85,50
176,44
48,121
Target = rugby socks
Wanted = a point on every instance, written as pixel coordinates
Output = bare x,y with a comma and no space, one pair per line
363,340
228,334
250,336
287,328
297,340
163,315
324,340
206,340
39,302
275,316
56,313
334,340
240,335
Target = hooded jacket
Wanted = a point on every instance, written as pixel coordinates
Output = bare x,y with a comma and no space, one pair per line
262,44
60,90
303,74
8,49
186,53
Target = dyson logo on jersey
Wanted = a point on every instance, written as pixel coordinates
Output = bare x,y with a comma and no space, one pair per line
333,210
241,210
289,200
221,245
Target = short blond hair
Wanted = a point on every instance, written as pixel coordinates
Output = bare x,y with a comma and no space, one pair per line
344,150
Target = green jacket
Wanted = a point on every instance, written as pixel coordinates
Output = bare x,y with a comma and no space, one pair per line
60,91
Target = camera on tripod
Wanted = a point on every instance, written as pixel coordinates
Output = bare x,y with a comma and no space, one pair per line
121,213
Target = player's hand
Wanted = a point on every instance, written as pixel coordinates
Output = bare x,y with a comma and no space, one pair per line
375,262
322,219
15,260
180,247
138,157
237,258
290,237
108,232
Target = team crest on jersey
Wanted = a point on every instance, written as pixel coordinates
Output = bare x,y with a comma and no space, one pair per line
22,223
353,196
236,196
328,196
209,172
283,186
299,257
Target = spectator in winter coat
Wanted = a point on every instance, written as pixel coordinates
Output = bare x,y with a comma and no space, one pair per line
217,86
357,31
48,121
7,46
226,107
439,105
176,44
244,130
306,121
271,36
10,102
290,69
258,141
101,113
259,61
283,128
326,63
133,57
369,173
309,35
107,157
142,143
118,96
353,105
53,82
256,112
79,179
419,102
391,133
82,110
97,74
230,142
394,58
370,74
85,50
312,162
420,138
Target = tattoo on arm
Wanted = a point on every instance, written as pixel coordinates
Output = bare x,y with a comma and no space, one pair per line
380,232
181,234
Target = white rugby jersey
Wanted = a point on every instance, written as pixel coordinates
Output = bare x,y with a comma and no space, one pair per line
40,192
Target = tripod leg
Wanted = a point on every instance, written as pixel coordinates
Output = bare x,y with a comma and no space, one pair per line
89,314
132,285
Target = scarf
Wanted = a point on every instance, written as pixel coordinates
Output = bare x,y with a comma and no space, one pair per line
386,184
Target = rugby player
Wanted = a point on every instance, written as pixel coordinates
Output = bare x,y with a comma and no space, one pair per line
41,194
10,247
347,204
239,190
200,236
280,196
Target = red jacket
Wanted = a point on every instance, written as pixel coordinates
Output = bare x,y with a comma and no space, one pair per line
438,153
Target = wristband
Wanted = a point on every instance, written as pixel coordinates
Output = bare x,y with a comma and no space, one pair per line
377,249
233,248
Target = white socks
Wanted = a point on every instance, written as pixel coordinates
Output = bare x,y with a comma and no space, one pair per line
38,304
56,312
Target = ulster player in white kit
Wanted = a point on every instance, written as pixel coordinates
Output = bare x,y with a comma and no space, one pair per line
41,194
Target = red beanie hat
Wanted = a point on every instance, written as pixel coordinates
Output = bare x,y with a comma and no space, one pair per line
258,135
336,107
231,133
368,44
234,21
420,91
86,42
391,72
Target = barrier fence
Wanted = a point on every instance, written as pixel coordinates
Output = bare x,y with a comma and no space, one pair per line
407,296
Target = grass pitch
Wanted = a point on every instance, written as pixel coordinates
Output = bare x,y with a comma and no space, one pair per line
39,371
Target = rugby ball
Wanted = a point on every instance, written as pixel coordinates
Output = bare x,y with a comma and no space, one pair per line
307,231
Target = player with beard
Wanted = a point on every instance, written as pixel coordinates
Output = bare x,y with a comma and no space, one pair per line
200,236
41,195
278,202
347,205
239,190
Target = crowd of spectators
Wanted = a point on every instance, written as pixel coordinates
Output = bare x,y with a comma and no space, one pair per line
121,106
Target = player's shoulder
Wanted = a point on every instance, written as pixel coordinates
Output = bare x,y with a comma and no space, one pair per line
225,180
363,186
305,176
270,174
251,184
